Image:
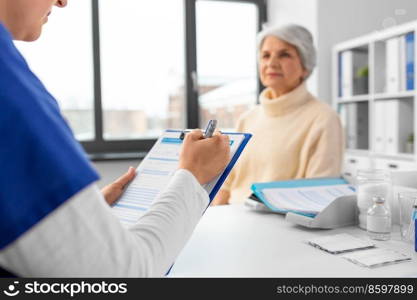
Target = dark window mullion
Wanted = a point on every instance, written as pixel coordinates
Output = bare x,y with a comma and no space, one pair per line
98,108
262,19
192,111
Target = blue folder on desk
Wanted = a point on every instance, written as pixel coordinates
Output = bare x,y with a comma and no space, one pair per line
259,188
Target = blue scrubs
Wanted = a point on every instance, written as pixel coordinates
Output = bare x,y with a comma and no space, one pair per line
41,164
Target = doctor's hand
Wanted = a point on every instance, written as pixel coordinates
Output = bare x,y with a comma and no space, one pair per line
204,158
113,191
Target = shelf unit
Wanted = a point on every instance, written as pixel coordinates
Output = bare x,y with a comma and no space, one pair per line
371,106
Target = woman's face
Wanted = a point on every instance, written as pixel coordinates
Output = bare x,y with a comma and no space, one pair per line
280,66
25,18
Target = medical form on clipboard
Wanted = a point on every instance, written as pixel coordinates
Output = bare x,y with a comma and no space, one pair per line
156,169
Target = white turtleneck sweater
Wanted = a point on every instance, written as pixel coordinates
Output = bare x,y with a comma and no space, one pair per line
294,136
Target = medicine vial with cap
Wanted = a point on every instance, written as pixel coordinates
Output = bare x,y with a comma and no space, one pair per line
378,222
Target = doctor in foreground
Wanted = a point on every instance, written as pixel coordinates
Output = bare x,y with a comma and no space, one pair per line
54,221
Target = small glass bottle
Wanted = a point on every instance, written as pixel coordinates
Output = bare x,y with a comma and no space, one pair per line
378,222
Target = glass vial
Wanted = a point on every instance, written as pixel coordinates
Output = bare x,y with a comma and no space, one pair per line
379,220
371,183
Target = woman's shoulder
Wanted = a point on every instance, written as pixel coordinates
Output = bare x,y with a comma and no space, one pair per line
322,111
251,112
248,116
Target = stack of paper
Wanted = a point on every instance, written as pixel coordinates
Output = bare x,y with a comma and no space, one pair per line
308,199
363,253
376,257
340,243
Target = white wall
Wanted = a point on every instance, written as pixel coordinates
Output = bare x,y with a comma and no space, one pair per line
333,21
303,12
282,12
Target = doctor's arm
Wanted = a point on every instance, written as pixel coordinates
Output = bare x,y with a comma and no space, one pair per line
83,238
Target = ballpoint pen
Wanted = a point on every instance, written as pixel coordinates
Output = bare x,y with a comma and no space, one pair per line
211,126
208,132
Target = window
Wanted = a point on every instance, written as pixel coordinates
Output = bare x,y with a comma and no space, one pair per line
124,70
227,75
142,67
63,59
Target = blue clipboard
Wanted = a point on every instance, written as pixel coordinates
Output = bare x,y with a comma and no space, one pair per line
257,189
247,137
222,178
227,170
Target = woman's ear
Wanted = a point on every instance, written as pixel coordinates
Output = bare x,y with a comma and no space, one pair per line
304,75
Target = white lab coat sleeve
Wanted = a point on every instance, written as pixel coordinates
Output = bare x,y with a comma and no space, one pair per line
82,237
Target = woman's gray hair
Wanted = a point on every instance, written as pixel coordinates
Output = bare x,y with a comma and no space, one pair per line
296,35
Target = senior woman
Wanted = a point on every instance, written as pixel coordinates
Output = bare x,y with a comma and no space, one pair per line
294,134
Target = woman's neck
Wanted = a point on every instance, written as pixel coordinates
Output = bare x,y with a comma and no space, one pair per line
284,104
278,92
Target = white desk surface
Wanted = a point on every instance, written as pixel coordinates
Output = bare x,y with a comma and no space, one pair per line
233,241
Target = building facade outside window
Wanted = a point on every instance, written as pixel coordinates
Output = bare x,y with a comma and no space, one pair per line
126,69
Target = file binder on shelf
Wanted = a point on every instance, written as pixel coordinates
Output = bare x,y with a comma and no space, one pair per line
409,40
392,125
350,62
346,68
316,203
393,65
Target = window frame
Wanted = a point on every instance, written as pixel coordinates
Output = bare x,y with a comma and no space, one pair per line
99,148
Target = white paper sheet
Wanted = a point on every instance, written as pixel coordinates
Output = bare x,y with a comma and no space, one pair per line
339,243
376,257
154,174
306,199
